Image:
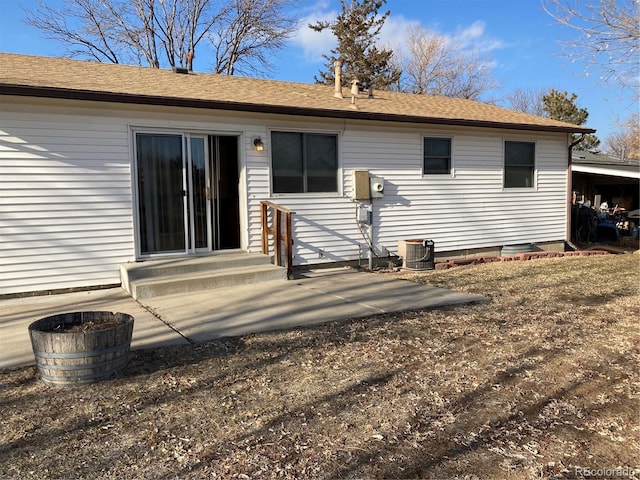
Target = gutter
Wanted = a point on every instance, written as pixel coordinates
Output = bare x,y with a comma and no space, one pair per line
577,141
71,94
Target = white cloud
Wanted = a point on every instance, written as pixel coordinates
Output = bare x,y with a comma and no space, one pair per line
393,34
474,38
315,44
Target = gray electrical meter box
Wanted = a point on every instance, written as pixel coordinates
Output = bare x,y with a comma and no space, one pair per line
363,215
376,185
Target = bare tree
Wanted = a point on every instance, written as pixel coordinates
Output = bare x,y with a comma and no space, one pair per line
527,100
84,26
608,36
625,143
248,33
180,27
435,66
160,33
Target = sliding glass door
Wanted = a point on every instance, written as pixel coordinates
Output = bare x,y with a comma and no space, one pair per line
161,193
199,178
187,193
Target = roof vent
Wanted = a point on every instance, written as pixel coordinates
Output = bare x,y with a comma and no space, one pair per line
337,79
366,87
181,70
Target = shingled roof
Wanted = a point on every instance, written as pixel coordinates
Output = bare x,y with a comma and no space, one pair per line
73,79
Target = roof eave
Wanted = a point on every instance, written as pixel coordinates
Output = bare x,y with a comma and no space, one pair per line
73,94
612,171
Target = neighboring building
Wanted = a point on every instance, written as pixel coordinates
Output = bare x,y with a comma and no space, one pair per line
597,176
102,164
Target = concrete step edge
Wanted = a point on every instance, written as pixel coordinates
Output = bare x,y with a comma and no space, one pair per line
227,272
205,281
208,264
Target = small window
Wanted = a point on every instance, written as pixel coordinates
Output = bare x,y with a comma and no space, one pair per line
304,162
519,164
437,156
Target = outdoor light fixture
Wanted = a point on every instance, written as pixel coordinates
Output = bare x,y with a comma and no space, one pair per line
257,142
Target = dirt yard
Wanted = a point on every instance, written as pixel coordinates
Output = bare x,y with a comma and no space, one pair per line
540,382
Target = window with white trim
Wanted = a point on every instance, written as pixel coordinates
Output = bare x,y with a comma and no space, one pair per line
304,162
519,164
437,156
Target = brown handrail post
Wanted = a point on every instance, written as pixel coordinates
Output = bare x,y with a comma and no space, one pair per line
277,242
264,221
288,239
282,231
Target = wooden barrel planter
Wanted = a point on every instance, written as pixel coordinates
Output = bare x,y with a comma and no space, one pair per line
81,347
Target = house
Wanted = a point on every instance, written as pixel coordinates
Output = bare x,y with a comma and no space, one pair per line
102,164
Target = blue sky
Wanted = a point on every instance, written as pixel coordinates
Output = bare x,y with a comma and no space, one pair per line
520,39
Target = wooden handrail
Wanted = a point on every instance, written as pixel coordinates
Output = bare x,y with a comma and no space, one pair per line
276,231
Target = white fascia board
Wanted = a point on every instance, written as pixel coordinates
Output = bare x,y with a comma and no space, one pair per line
605,171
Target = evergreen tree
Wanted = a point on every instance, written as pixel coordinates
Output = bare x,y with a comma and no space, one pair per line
590,142
559,106
356,29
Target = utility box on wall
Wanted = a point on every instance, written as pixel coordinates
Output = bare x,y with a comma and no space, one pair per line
361,185
376,185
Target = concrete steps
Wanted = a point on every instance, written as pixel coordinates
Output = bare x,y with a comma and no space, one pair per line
154,278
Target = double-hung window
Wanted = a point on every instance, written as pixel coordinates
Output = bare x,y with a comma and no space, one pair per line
304,162
437,156
519,164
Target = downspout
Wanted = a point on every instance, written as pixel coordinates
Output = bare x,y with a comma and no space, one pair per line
570,191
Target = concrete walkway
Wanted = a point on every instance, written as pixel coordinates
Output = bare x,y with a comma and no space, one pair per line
312,298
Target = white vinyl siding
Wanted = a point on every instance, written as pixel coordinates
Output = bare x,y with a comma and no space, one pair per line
472,210
66,200
468,210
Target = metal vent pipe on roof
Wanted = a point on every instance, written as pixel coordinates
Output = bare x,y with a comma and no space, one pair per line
338,79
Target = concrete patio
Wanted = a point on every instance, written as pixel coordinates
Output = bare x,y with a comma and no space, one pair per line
314,297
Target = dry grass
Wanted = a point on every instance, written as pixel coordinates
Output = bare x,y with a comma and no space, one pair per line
539,381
